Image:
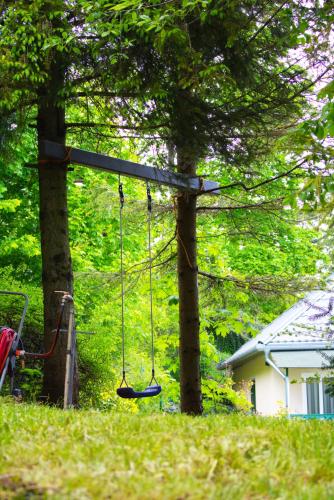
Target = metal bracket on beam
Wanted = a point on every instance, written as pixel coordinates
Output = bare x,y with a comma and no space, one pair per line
56,151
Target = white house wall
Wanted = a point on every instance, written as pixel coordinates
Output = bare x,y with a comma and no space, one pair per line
269,385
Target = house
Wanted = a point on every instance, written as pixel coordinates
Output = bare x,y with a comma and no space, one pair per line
283,366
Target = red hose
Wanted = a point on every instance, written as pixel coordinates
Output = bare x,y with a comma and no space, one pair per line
7,336
46,355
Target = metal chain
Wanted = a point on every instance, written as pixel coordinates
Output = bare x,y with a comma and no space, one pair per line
121,205
149,210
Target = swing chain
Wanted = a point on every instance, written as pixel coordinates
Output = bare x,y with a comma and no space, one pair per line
153,379
149,209
121,391
123,379
121,205
121,194
149,198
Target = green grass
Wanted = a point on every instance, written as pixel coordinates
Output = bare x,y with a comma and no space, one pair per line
48,453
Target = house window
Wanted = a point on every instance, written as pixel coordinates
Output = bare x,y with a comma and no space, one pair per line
316,397
328,399
312,392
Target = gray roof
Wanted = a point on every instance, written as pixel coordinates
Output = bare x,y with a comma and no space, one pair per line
305,325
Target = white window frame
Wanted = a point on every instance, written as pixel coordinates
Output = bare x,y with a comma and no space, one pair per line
321,391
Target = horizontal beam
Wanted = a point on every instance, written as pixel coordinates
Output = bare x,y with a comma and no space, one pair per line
58,152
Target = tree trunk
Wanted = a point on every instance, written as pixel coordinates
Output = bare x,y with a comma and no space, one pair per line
56,258
190,377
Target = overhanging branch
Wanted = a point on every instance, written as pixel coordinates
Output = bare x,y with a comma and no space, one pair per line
109,125
238,207
262,183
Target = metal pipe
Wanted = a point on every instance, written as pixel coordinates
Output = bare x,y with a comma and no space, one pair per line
70,356
20,328
4,373
270,362
48,354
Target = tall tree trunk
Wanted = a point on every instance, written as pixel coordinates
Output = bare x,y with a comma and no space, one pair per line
190,377
56,258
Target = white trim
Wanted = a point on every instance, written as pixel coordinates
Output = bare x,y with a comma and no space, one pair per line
304,397
321,397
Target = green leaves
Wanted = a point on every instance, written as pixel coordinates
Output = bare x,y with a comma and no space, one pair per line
9,205
123,5
173,300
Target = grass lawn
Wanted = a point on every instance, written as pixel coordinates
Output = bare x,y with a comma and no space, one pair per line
45,452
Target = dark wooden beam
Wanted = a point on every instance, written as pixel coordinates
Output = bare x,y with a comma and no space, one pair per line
56,151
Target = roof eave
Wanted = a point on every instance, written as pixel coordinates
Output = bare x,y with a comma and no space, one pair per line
301,346
239,359
274,347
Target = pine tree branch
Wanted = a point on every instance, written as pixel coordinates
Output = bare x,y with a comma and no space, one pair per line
158,264
161,251
238,207
107,125
267,284
102,93
266,23
256,186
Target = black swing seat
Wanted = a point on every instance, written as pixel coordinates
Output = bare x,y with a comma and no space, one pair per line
130,393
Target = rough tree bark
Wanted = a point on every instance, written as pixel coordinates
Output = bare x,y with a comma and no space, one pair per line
189,350
56,258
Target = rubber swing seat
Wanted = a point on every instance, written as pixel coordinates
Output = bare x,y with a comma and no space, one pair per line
130,393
